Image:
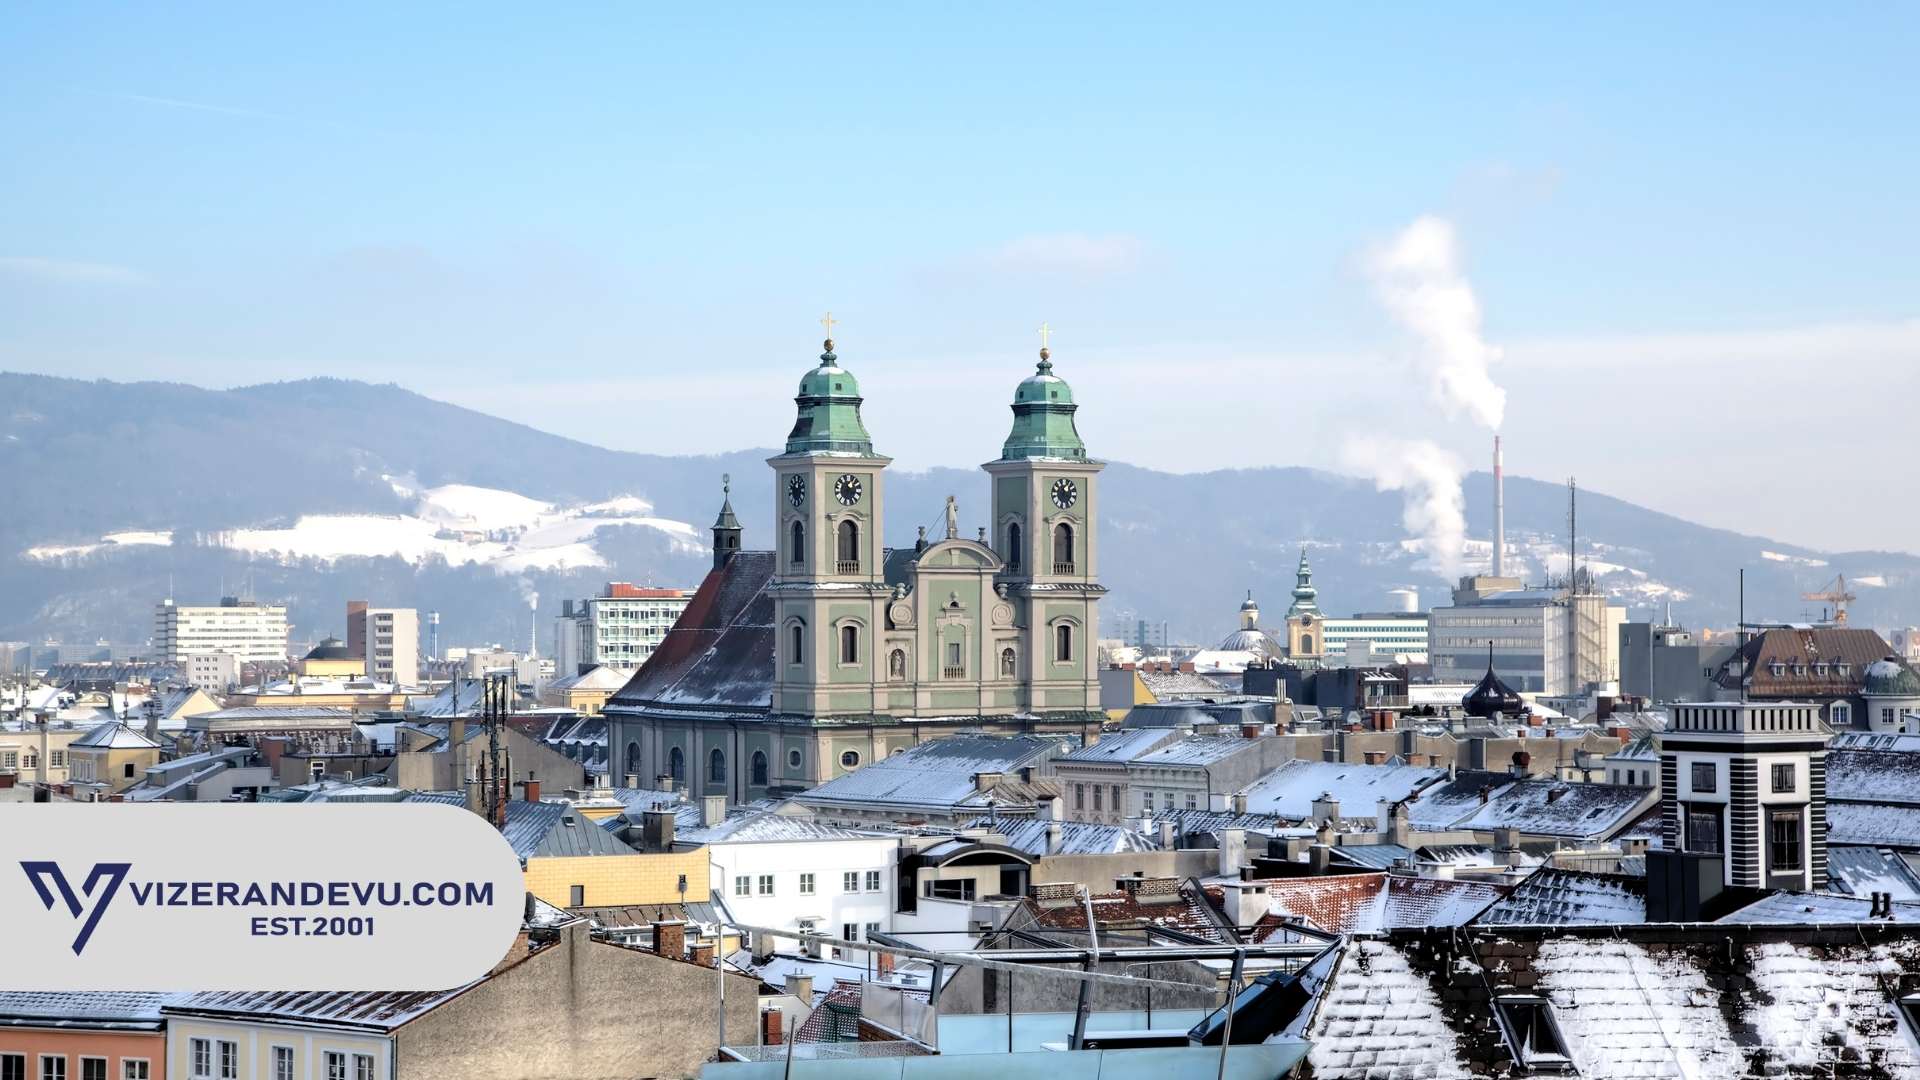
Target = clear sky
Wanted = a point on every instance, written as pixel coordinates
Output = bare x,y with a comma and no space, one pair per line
1691,228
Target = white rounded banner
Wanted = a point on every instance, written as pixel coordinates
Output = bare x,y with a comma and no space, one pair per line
252,896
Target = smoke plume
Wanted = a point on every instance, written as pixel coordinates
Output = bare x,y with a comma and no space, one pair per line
1428,479
529,594
1419,280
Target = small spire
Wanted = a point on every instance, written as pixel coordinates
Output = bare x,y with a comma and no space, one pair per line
1046,355
827,321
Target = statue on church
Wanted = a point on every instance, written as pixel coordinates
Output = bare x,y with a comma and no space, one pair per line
953,518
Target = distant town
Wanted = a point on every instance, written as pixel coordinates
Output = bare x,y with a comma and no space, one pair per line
838,805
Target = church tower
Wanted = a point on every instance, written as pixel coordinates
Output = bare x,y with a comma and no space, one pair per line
726,527
827,584
1305,637
1045,501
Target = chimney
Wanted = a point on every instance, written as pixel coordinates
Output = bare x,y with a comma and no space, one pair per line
1249,731
1246,902
1240,803
632,780
532,787
1233,851
1499,512
801,986
663,782
703,953
656,831
1047,809
1326,809
1054,831
1553,795
987,781
713,810
1319,858
1166,836
883,963
1374,757
1399,828
670,938
1521,761
1216,802
771,1031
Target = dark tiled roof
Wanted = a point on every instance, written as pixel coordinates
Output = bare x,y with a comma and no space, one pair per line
544,829
1807,648
1555,897
719,654
1874,776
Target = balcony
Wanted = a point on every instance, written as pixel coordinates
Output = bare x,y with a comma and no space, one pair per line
954,672
1063,568
847,566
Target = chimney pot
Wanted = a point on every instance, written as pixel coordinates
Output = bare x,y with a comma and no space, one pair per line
670,939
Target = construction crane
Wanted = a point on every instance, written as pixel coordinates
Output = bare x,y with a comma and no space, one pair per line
1837,595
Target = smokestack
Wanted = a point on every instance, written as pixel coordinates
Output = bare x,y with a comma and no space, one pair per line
1499,512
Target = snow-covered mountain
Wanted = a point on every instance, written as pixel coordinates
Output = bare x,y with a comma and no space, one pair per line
115,492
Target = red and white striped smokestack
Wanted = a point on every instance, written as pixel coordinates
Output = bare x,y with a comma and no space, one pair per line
1499,512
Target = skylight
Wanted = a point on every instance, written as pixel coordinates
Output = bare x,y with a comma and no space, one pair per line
1533,1036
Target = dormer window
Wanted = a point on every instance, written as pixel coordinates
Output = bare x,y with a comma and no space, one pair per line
1843,669
1532,1034
1777,668
1799,669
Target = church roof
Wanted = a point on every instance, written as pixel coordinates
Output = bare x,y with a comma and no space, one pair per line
1491,695
1043,411
719,654
330,649
829,411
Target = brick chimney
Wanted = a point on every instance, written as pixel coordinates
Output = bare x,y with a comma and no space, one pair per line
703,953
532,787
1249,731
883,962
772,1031
670,938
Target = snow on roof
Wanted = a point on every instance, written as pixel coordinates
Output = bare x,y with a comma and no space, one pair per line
1384,1024
114,736
1863,871
1558,808
760,827
1436,808
1199,750
1809,908
369,1011
1551,896
939,773
1818,1012
1182,685
599,678
1127,744
1630,1013
719,654
1415,901
1874,776
1290,790
1875,825
1076,837
82,1009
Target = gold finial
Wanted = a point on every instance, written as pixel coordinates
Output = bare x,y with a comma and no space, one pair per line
828,321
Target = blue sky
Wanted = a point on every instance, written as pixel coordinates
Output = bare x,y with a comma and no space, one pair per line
1686,227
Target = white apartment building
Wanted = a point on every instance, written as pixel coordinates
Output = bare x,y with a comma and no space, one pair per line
1390,634
393,645
792,873
619,629
248,630
214,672
1545,641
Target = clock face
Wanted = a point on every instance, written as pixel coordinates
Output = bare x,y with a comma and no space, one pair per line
847,489
796,489
1065,493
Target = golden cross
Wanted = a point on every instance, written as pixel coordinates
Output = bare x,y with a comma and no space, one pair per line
1046,332
827,321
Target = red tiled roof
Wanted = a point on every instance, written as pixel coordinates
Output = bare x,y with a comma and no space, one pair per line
1121,910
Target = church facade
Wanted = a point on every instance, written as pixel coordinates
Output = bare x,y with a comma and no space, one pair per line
796,665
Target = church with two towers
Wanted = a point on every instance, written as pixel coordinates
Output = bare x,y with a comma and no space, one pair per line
799,664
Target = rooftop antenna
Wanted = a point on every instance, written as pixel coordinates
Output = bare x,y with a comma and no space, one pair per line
1740,634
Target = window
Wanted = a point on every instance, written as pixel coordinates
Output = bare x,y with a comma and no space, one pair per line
797,544
850,881
1062,643
283,1063
1886,715
229,1061
53,1067
142,1069
1166,800
1703,829
1097,792
849,644
872,929
806,884
797,638
850,759
1063,548
576,896
1193,802
1116,797
58,759
849,561
742,885
677,764
363,1067
1006,663
1783,776
716,767
1079,796
766,884
759,767
92,1068
961,889
873,881
1532,1034
793,758
336,1065
13,1067
850,931
1703,777
1013,545
126,771
1841,714
1783,841
200,1057
956,661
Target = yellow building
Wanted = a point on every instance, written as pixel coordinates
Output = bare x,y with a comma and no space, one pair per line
586,692
331,660
570,861
109,759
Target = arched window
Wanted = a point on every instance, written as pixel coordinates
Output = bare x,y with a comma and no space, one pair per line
676,765
759,766
797,544
897,665
1063,548
849,644
796,651
717,766
1063,643
633,761
849,548
1013,545
1006,663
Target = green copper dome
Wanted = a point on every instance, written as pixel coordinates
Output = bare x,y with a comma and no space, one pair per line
1043,418
829,416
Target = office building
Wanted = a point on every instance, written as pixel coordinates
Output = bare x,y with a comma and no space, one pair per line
251,631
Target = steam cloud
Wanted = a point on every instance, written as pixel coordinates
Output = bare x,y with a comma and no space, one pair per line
529,594
1428,477
1418,279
